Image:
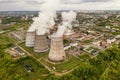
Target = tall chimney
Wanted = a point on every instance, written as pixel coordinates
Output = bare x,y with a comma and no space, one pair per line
30,38
41,44
56,53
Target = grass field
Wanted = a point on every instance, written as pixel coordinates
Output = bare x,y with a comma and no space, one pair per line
30,50
38,70
5,39
67,65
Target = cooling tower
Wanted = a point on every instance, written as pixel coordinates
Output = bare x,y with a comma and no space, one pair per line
30,38
41,44
56,53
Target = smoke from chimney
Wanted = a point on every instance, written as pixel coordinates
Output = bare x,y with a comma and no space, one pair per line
68,18
45,20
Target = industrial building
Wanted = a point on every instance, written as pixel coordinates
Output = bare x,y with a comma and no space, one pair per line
57,52
30,39
41,44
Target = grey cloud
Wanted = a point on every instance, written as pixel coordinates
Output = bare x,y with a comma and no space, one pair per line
37,2
7,1
82,1
69,4
96,0
72,1
33,2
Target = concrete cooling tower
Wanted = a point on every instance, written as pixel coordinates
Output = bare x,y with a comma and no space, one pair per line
41,44
30,38
56,53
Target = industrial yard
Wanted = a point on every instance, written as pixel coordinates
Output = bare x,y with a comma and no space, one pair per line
59,67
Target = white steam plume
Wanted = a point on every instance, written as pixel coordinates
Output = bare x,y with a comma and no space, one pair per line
68,18
45,20
33,27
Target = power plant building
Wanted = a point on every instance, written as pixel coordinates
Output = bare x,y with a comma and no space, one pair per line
41,44
56,53
30,39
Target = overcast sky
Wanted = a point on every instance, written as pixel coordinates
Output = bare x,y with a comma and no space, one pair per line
13,5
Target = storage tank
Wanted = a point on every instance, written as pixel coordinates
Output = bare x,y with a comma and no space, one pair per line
30,38
57,53
41,44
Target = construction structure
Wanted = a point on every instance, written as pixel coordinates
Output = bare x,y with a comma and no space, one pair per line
41,44
30,39
56,53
